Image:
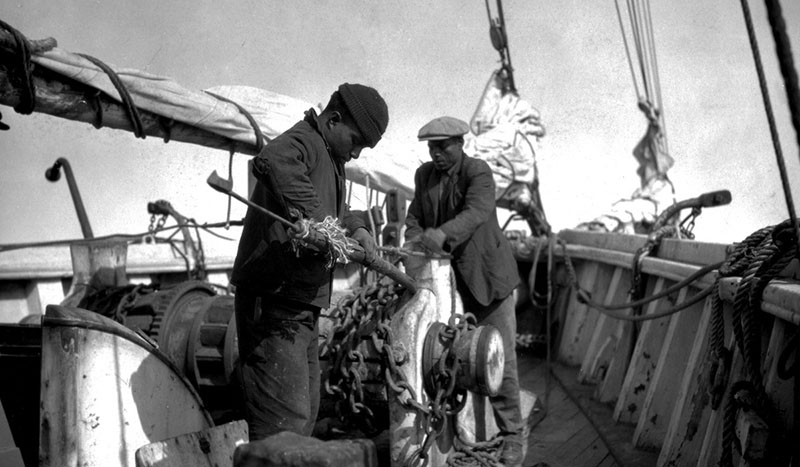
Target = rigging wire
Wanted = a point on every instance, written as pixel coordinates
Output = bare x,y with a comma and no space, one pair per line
656,78
786,61
627,49
643,44
637,40
773,130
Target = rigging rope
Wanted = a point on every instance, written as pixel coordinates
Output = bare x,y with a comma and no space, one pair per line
762,82
786,62
27,101
585,298
127,101
758,259
641,31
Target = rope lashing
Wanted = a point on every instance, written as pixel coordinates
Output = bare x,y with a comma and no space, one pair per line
653,241
27,101
735,265
256,128
166,125
719,356
127,101
340,246
758,259
742,395
94,102
773,254
718,373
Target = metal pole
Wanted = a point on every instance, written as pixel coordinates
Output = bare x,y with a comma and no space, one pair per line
53,174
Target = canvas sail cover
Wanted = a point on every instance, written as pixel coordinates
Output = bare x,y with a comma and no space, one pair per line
505,128
638,212
388,167
505,133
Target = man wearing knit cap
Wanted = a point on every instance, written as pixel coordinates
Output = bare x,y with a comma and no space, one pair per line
280,288
454,211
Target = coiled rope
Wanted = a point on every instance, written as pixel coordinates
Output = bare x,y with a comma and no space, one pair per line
339,245
718,354
758,259
27,102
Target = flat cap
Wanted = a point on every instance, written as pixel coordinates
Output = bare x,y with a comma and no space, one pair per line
442,128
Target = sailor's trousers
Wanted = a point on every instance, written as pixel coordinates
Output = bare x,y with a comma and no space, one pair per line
501,314
278,364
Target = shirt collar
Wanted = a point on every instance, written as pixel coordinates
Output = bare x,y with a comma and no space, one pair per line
312,119
455,168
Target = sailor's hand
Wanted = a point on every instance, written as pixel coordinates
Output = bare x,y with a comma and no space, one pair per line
433,240
367,242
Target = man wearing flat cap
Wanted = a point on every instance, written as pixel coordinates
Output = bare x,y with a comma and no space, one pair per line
454,211
280,288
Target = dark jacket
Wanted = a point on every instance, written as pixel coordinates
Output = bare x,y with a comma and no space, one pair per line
482,256
295,173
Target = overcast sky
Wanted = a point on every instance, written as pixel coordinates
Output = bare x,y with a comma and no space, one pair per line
427,59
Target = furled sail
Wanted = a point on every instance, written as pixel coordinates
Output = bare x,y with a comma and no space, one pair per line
239,118
505,133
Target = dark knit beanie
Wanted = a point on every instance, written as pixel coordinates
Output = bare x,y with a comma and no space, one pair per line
368,109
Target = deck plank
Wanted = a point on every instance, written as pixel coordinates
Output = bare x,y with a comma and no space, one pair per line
616,436
592,454
567,434
608,461
573,451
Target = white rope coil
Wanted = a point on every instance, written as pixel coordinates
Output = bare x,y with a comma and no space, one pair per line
339,245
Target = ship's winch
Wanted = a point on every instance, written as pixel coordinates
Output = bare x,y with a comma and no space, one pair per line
471,357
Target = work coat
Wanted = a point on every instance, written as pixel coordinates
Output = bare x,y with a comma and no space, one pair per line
466,213
295,173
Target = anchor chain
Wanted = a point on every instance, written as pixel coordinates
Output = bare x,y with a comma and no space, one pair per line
362,317
361,325
447,399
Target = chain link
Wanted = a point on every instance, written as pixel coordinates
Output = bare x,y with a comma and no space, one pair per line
364,317
687,225
154,227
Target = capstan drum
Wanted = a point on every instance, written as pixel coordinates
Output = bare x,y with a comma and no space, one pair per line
476,354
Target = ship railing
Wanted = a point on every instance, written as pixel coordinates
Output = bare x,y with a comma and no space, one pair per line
659,374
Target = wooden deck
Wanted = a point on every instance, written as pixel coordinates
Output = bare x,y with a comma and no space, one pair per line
572,429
